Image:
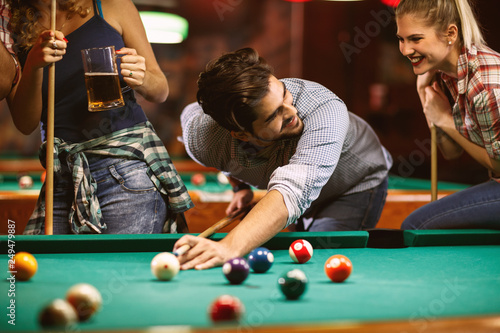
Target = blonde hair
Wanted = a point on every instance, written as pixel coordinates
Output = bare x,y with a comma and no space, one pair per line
441,13
24,25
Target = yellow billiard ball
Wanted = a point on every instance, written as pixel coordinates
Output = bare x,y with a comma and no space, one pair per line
25,266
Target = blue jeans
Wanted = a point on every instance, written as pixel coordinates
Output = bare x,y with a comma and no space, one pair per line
358,211
130,203
476,207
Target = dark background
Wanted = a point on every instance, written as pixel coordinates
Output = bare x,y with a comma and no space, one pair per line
349,47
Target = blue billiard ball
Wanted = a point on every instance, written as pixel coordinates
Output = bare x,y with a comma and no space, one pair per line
260,260
236,270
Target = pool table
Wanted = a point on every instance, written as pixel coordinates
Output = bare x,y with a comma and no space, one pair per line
211,199
434,281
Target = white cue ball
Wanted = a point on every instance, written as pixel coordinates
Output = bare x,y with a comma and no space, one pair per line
165,266
85,298
222,179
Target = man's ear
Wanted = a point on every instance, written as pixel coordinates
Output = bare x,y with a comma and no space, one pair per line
240,135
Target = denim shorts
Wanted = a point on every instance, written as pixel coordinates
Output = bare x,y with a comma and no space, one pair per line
130,203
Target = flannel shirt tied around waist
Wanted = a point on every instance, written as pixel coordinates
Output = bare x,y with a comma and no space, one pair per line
138,142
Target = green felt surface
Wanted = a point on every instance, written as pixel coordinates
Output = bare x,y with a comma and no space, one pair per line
417,284
8,182
451,237
405,183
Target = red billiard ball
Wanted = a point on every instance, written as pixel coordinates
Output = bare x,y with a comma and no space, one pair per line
338,268
226,308
42,178
24,266
300,251
198,179
85,298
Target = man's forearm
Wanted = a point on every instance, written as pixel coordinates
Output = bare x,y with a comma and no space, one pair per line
263,222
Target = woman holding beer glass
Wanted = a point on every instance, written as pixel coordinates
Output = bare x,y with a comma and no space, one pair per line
112,173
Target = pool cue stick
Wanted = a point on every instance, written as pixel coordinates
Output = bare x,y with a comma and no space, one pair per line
212,230
434,177
49,163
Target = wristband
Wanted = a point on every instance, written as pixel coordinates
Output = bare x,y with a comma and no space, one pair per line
241,186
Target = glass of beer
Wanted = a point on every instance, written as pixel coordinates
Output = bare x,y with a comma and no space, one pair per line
101,79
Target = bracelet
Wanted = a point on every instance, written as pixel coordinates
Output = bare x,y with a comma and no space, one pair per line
16,78
241,186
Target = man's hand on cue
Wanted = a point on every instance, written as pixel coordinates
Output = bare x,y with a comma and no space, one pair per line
203,253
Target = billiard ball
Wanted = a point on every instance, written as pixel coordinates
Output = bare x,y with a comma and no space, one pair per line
338,268
85,298
58,313
25,182
260,260
236,270
226,308
222,178
25,266
43,176
198,179
300,251
293,283
165,266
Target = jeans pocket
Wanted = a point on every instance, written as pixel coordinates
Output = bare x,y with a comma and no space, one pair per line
132,176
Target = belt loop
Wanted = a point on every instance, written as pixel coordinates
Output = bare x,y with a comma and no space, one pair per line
115,174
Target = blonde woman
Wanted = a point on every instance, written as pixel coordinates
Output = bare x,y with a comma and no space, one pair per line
112,172
459,86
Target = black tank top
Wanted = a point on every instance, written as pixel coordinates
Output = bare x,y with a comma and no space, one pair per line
73,122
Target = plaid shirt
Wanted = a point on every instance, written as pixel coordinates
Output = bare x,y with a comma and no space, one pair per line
336,154
4,32
139,142
476,93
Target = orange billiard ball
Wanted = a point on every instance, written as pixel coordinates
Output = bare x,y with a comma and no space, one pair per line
338,268
42,178
25,266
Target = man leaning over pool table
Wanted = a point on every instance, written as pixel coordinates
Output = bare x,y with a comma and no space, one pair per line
323,167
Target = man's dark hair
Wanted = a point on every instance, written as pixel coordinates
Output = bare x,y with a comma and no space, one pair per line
231,86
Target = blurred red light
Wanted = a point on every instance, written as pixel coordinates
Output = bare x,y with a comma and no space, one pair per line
392,3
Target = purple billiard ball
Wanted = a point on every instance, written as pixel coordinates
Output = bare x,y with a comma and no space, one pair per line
236,270
260,260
